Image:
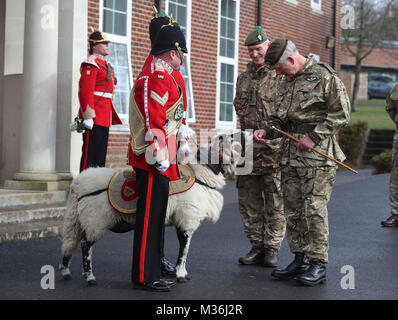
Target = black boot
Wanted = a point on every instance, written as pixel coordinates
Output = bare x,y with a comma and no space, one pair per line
255,256
391,221
299,265
315,274
270,257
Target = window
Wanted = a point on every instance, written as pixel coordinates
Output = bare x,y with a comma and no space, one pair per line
115,17
115,21
316,5
227,62
181,11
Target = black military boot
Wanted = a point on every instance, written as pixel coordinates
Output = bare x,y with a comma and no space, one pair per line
270,257
391,221
315,274
299,265
255,256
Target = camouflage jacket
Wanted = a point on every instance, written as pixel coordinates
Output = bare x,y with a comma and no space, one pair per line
315,104
254,99
392,110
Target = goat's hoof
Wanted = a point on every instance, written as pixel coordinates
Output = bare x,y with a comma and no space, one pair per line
92,282
182,279
67,277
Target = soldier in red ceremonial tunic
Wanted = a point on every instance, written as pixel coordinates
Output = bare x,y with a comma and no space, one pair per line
156,113
96,88
159,20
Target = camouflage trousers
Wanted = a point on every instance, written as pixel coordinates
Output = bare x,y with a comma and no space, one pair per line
263,223
306,193
394,190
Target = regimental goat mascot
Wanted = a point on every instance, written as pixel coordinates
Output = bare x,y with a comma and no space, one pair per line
95,202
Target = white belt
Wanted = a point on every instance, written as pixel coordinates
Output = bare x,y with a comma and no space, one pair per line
104,94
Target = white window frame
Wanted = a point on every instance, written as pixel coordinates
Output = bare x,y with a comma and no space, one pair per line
188,57
316,7
123,40
292,2
220,59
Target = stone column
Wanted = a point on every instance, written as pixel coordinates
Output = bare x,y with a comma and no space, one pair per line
39,107
72,51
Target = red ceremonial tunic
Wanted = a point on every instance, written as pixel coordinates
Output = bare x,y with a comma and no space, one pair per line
96,93
155,91
180,81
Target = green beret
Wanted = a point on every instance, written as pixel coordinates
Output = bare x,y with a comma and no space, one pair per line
275,51
257,36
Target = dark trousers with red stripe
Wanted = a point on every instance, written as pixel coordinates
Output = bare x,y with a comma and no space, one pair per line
153,194
95,145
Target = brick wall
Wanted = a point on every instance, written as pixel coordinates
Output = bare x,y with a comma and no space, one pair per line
93,16
379,57
117,150
280,19
308,30
348,80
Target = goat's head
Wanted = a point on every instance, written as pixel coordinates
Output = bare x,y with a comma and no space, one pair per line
224,153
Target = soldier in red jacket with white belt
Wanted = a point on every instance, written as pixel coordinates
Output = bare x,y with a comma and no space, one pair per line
96,87
156,113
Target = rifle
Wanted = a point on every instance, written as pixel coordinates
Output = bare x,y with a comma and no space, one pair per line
316,150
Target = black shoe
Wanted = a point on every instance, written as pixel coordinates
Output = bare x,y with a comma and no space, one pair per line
391,221
255,256
299,265
167,268
159,286
167,282
315,274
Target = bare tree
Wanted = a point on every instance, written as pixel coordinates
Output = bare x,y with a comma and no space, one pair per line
371,28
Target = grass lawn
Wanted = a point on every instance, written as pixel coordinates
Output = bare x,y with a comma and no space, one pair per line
374,113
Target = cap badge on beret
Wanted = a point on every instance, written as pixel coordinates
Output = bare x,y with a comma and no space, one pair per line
257,36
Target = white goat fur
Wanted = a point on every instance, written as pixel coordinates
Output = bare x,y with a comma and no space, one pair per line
93,214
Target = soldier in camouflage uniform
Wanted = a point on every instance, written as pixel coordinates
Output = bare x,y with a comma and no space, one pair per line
392,109
263,225
312,105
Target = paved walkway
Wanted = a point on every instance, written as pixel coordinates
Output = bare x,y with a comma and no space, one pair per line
357,243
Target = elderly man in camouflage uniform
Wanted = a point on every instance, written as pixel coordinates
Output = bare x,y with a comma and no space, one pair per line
392,109
264,226
312,105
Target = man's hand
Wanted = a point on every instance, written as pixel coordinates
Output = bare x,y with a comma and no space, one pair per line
259,135
88,123
305,144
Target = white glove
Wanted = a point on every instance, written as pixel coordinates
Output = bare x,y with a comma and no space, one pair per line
88,123
162,166
185,132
